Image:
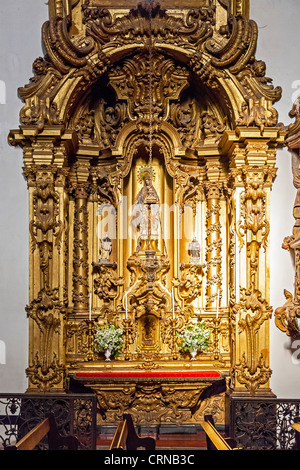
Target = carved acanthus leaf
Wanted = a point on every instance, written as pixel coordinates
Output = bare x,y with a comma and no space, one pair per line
195,29
257,114
287,317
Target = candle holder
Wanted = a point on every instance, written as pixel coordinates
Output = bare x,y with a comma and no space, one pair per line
216,322
127,323
173,304
175,353
90,328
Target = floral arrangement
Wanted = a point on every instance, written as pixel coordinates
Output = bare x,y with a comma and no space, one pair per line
193,338
108,338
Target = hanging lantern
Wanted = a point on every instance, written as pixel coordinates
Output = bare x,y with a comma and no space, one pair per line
194,251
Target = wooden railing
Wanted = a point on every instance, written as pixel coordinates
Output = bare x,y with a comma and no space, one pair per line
254,423
47,427
75,414
262,423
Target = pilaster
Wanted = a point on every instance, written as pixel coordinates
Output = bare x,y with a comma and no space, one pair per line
44,157
252,156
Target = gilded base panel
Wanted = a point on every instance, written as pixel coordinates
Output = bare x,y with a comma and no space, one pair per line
154,400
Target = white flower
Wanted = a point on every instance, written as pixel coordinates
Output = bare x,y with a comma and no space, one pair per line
194,337
108,337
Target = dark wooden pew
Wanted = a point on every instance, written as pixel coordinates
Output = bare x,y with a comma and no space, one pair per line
296,427
47,427
214,440
126,438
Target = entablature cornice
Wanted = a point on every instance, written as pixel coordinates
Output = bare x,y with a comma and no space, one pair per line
242,136
251,151
50,146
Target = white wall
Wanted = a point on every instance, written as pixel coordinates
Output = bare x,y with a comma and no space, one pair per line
278,46
20,35
20,45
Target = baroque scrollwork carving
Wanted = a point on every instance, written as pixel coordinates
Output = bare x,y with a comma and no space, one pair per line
131,83
86,132
45,204
150,403
39,111
110,119
256,114
254,216
252,369
88,56
287,316
103,28
195,125
106,283
189,285
46,311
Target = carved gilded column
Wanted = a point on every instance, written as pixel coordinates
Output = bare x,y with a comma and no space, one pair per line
213,235
44,155
80,255
252,171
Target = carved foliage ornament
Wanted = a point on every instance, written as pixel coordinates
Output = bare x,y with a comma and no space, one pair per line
131,83
45,204
134,27
287,317
46,230
254,219
84,58
153,403
252,370
45,370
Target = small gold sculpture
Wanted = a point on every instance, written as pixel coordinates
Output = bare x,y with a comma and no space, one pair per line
105,249
145,217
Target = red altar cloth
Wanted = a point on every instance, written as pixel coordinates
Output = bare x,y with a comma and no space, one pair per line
150,375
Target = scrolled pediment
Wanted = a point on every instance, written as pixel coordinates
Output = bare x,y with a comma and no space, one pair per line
133,27
221,58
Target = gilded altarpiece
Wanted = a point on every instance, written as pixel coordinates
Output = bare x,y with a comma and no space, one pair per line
164,108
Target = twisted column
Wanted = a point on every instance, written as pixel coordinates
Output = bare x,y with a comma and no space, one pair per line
213,245
80,257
